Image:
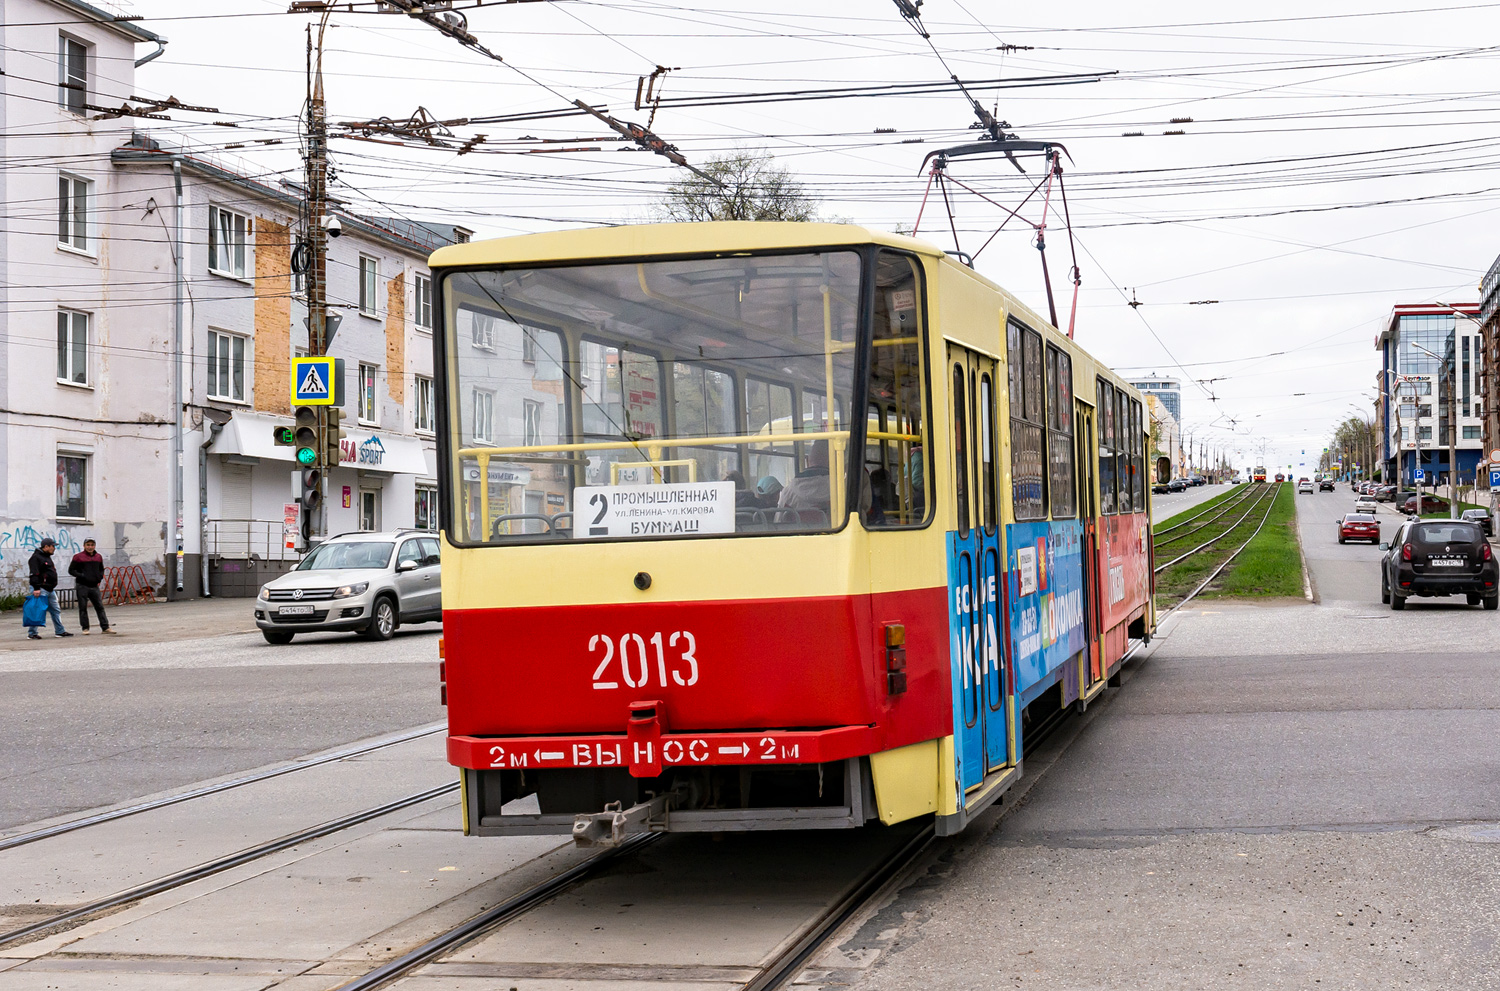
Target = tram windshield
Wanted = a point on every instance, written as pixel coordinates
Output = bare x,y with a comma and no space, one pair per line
656,399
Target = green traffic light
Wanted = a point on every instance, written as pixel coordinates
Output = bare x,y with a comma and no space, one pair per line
306,455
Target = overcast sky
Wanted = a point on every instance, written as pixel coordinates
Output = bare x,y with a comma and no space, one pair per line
1334,164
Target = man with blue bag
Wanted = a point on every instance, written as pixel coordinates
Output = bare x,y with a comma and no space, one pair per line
43,590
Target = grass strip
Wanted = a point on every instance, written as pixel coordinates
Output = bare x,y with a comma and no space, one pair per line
1201,507
1271,566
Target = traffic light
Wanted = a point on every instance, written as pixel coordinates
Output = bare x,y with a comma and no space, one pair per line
307,432
310,501
332,435
283,436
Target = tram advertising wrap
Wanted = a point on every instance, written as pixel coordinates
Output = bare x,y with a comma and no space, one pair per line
1045,571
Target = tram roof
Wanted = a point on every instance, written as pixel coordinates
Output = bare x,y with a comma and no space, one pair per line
633,240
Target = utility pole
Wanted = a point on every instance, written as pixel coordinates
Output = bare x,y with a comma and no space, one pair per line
315,234
315,221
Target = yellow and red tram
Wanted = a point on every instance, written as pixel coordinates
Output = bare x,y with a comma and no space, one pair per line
767,526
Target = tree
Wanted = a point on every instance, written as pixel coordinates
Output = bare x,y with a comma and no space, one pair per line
747,185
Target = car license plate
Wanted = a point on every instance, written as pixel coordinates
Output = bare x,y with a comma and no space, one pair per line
1447,563
295,611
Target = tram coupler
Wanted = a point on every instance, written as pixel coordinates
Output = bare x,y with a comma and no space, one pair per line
614,824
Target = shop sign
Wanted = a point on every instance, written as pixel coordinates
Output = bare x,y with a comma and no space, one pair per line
369,452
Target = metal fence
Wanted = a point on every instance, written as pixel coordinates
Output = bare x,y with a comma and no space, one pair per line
262,540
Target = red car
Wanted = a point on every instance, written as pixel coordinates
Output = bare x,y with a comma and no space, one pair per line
1359,526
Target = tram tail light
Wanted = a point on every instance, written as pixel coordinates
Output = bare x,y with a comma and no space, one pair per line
442,674
895,658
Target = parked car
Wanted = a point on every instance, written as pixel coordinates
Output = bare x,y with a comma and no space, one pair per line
1305,485
1439,557
1481,517
1160,488
1359,526
1430,504
1364,504
1177,485
1325,484
1384,493
369,583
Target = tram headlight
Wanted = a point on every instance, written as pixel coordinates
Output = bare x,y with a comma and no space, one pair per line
344,591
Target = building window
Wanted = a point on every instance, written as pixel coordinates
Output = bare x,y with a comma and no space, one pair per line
1424,433
424,405
427,508
484,415
368,411
423,307
72,486
483,331
226,242
73,212
528,346
72,74
531,412
226,366
1471,433
369,272
73,347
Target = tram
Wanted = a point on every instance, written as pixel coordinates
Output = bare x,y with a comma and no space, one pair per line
767,526
1259,475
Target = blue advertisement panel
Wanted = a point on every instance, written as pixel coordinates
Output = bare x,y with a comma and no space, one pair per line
1044,571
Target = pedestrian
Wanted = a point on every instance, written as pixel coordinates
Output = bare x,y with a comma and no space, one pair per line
44,581
87,569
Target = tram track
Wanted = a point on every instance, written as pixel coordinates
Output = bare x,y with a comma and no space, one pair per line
291,767
1269,500
1260,498
221,864
1225,507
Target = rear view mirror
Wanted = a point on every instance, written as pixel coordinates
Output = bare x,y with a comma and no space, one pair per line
406,565
1384,546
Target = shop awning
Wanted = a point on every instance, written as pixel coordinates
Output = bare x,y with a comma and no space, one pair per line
252,435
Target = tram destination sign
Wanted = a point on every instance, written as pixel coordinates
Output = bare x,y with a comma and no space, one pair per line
666,510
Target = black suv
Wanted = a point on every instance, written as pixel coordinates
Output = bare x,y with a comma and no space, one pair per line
1439,557
1325,485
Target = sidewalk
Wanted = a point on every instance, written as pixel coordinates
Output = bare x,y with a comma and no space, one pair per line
157,622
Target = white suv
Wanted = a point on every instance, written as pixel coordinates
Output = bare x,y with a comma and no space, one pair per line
367,583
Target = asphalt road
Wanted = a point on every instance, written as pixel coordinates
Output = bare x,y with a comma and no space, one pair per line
1281,796
85,723
1164,506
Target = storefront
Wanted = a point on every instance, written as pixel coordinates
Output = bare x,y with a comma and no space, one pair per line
384,481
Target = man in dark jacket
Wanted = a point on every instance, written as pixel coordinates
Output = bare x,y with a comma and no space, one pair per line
87,569
44,581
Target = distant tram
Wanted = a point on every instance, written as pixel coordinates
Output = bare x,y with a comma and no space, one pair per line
767,526
1259,475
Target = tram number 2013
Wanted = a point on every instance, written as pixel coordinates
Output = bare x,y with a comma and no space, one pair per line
635,659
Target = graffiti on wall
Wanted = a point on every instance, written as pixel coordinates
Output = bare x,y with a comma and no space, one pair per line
121,544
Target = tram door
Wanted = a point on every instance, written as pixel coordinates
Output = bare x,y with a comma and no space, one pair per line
975,581
1087,462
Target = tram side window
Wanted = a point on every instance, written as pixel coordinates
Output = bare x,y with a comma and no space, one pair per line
768,411
704,406
1137,447
897,458
1106,407
1060,482
985,420
1023,353
497,411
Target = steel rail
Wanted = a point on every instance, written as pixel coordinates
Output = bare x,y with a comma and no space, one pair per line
1221,565
212,867
787,964
493,917
22,839
1228,530
1225,508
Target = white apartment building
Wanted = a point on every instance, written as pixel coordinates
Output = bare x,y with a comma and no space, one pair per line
97,346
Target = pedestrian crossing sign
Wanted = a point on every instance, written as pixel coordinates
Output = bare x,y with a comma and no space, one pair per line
318,381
